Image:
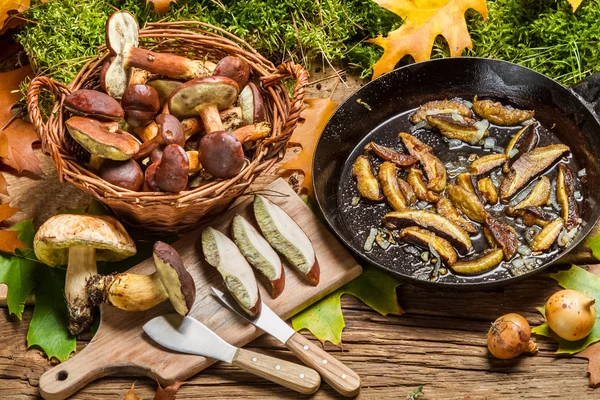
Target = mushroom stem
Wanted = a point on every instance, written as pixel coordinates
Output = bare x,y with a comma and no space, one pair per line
129,292
230,118
211,119
95,162
169,65
81,266
250,133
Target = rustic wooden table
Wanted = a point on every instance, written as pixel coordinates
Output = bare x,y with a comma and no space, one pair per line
439,343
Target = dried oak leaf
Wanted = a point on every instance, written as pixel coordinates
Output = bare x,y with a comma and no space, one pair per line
167,393
130,395
18,136
161,6
9,240
306,135
424,20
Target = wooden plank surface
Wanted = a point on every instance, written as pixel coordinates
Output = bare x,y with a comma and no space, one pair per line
439,343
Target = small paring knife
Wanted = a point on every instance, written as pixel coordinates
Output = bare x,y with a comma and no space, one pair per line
344,380
188,335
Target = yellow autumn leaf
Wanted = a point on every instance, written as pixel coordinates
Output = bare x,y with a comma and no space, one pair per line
575,4
423,21
8,8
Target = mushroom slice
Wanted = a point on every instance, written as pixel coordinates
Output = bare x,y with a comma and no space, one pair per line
455,126
94,104
416,182
488,190
489,260
538,196
535,216
127,291
504,235
528,166
391,189
259,253
524,141
487,163
407,191
251,104
548,235
467,202
366,183
565,189
400,159
498,114
424,238
445,208
287,238
440,107
465,180
175,278
436,223
433,166
223,254
104,140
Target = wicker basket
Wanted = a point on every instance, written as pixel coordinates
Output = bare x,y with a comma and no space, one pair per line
169,212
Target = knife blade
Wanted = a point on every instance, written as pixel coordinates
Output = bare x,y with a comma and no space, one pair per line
344,380
188,335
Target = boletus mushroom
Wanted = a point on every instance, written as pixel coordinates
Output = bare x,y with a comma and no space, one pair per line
141,104
168,131
135,292
173,169
78,241
126,174
235,68
122,42
252,105
94,104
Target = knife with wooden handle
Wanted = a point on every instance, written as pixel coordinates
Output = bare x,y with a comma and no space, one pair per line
344,380
188,335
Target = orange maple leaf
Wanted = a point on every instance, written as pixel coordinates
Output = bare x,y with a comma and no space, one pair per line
306,135
424,20
161,6
9,240
9,8
18,136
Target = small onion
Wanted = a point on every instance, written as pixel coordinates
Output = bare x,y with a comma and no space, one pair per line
570,314
509,336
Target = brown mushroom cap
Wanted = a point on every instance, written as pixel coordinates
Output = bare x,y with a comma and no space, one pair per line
188,99
150,179
170,131
95,104
172,171
140,103
164,87
251,103
235,68
221,154
102,139
175,278
126,174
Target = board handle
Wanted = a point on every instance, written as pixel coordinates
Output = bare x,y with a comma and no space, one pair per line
344,380
284,373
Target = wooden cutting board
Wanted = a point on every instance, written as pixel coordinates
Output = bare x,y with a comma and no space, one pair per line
121,347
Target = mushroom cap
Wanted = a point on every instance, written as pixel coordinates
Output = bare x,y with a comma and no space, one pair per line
140,103
221,154
164,87
121,34
102,139
251,103
111,241
173,170
189,98
150,179
176,280
126,174
235,68
170,129
95,104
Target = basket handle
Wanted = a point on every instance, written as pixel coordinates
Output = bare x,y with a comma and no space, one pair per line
33,107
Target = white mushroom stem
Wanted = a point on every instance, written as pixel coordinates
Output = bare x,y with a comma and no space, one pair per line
81,266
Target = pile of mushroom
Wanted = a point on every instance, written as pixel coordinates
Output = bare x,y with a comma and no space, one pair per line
165,123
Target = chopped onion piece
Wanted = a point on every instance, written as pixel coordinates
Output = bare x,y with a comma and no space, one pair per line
489,143
412,250
524,250
577,195
454,144
457,117
422,205
421,125
425,256
355,201
517,262
581,173
513,152
467,103
370,240
498,149
438,262
382,242
528,122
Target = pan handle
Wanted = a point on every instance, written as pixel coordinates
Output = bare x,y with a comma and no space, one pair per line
589,90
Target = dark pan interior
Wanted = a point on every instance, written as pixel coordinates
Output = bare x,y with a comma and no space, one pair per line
392,96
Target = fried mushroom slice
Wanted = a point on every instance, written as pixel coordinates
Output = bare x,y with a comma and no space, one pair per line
487,163
528,166
391,189
445,208
565,189
488,190
498,114
433,222
535,216
544,239
504,235
416,182
407,191
367,184
455,126
538,196
433,166
524,141
467,202
424,238
387,154
465,180
440,107
489,260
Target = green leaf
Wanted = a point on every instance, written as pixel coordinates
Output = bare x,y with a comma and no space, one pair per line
594,243
325,320
48,326
575,278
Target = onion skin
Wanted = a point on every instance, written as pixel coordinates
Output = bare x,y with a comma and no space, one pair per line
570,314
510,336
